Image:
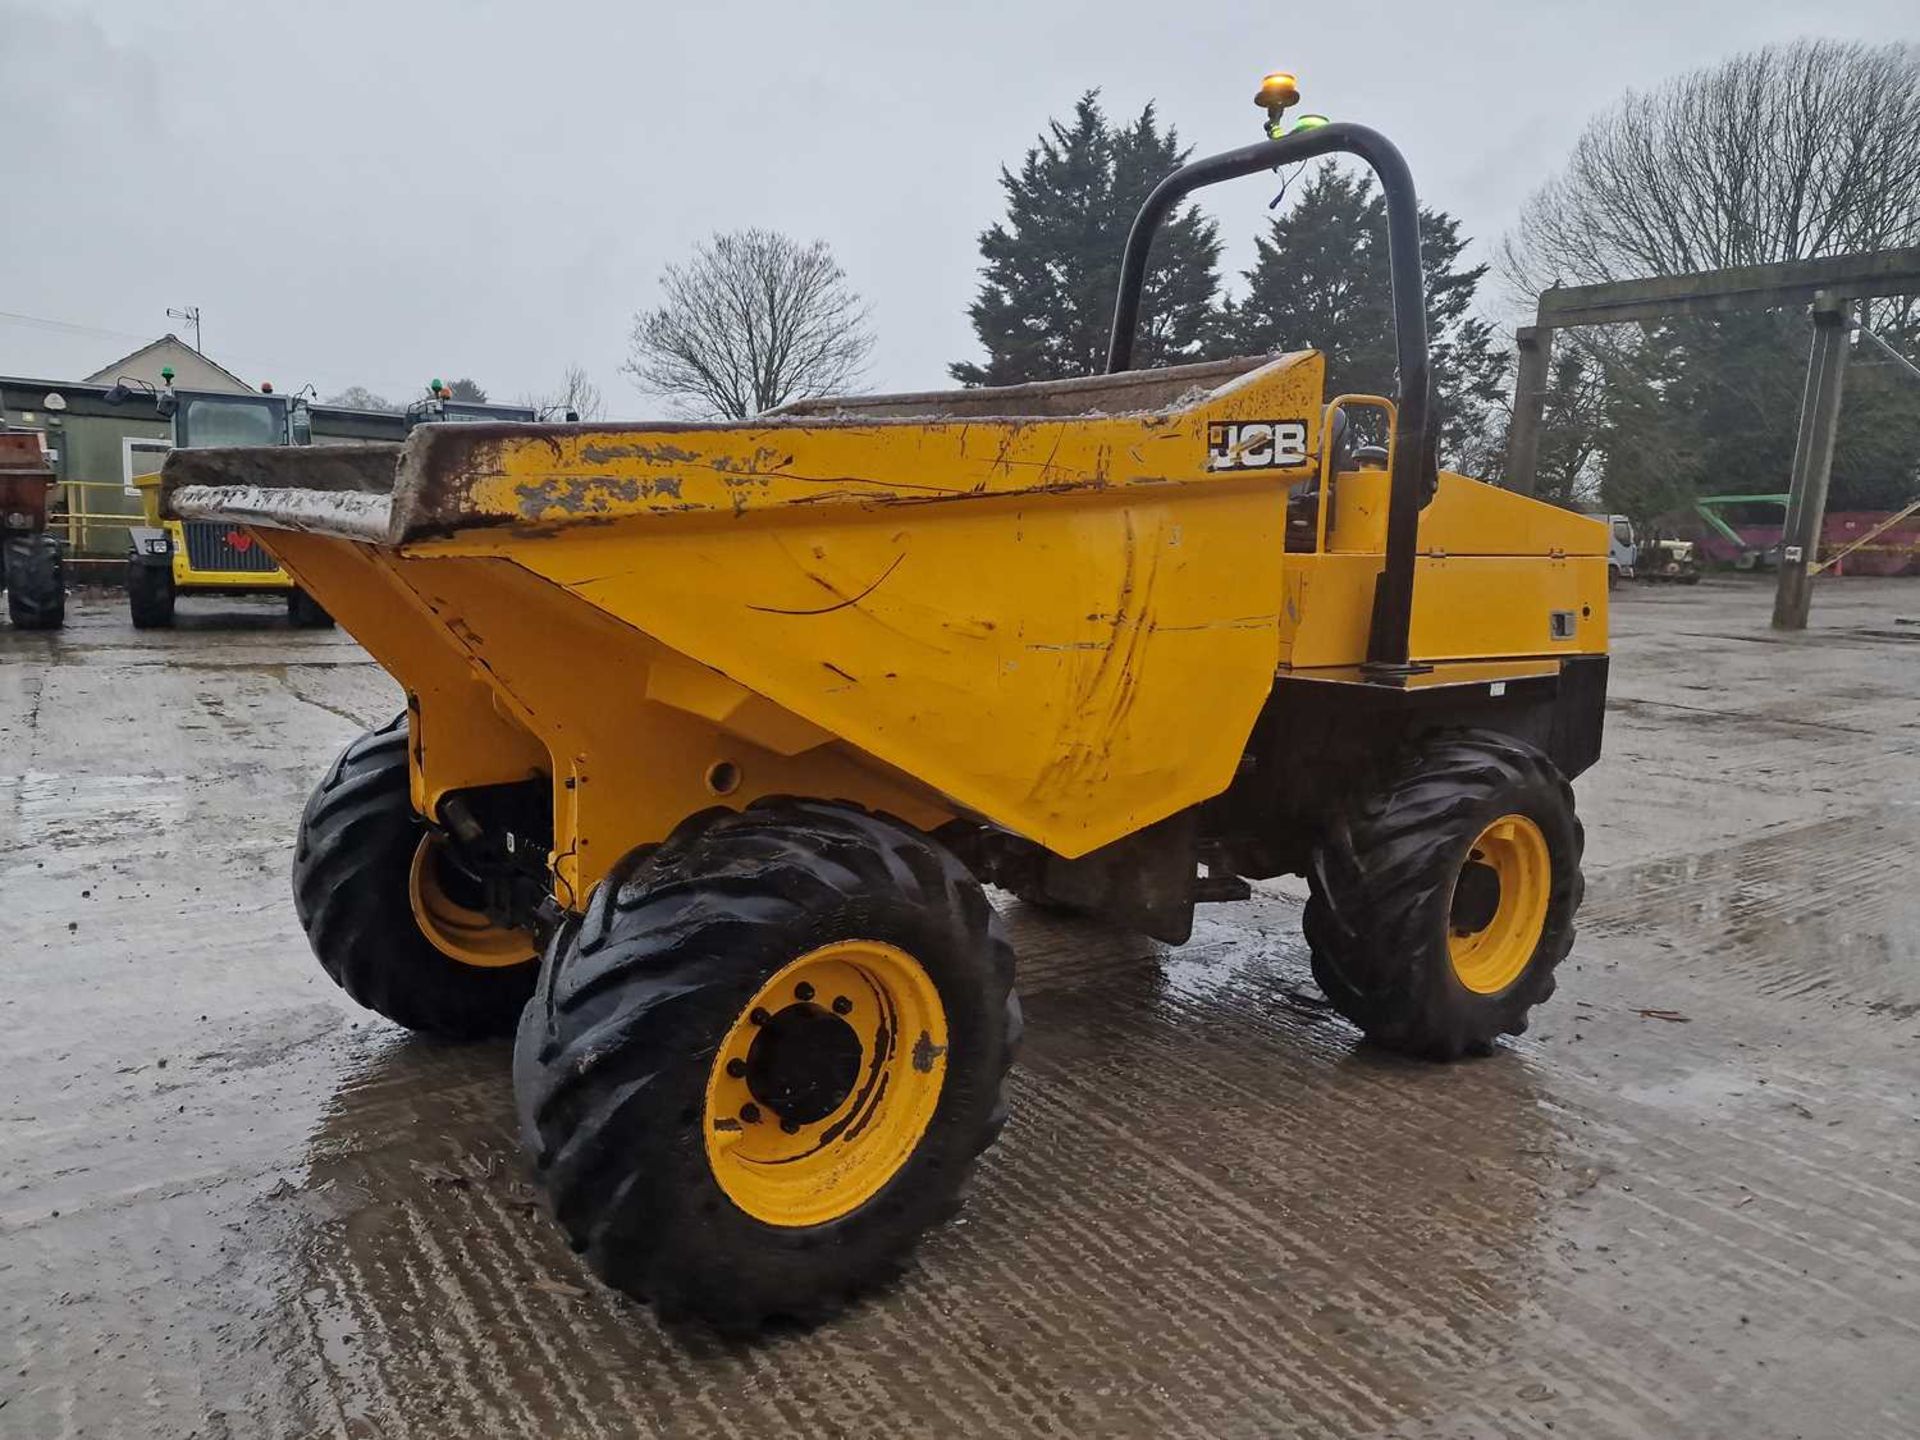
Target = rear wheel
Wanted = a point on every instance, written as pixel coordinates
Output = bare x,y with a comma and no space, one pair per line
306,613
1443,899
36,582
150,595
389,910
763,1062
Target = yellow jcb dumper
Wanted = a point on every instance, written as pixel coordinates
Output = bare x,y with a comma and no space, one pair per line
716,734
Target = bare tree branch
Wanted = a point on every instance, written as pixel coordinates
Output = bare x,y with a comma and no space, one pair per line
1790,152
753,320
576,395
1786,153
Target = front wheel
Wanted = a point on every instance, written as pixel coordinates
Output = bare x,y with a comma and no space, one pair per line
306,613
763,1062
389,911
36,582
1443,898
150,594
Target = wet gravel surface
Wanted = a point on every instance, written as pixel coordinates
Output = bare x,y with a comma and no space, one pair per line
1688,1203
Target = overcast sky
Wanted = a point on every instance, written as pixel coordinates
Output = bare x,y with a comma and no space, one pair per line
378,193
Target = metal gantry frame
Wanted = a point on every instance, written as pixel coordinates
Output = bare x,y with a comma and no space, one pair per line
1832,287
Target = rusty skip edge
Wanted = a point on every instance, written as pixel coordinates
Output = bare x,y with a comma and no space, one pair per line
423,488
441,465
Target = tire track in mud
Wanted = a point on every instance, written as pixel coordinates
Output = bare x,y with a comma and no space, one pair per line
1427,1264
1374,1293
1811,1228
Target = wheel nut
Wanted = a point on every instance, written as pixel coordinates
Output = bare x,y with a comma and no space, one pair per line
750,1113
841,1005
792,1127
757,1016
736,1068
803,991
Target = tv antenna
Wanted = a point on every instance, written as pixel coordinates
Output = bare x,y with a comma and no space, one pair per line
191,314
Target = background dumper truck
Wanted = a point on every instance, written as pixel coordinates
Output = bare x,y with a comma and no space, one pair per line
715,735
170,557
31,566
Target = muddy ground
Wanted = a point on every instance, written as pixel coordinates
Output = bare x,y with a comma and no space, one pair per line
1687,1204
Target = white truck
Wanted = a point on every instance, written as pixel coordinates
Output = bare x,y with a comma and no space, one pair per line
1622,553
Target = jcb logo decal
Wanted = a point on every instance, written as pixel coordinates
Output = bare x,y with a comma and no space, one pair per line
1256,444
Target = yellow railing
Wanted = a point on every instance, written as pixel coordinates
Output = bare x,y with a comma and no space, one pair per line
77,524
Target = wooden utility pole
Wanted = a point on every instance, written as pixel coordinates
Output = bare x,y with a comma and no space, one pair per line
1529,406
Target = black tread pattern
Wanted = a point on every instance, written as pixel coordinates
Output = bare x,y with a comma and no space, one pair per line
611,1062
36,583
150,595
1381,882
350,869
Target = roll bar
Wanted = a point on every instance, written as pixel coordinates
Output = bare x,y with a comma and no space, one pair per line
1414,466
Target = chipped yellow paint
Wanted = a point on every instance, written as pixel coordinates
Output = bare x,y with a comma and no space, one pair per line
704,472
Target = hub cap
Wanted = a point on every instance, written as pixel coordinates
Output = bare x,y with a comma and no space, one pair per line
454,929
1499,904
826,1083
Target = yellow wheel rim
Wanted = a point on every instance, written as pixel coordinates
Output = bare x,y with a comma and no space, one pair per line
455,931
826,1083
1499,904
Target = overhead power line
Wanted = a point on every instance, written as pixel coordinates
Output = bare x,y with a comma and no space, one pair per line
73,327
69,326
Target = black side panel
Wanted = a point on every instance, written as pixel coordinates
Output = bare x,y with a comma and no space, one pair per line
1561,714
1317,739
1579,714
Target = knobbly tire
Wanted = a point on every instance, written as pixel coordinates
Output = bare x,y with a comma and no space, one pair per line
306,613
36,583
622,1053
1402,913
351,867
150,595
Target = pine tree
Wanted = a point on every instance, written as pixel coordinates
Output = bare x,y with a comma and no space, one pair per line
1321,280
1570,422
1045,303
1650,468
